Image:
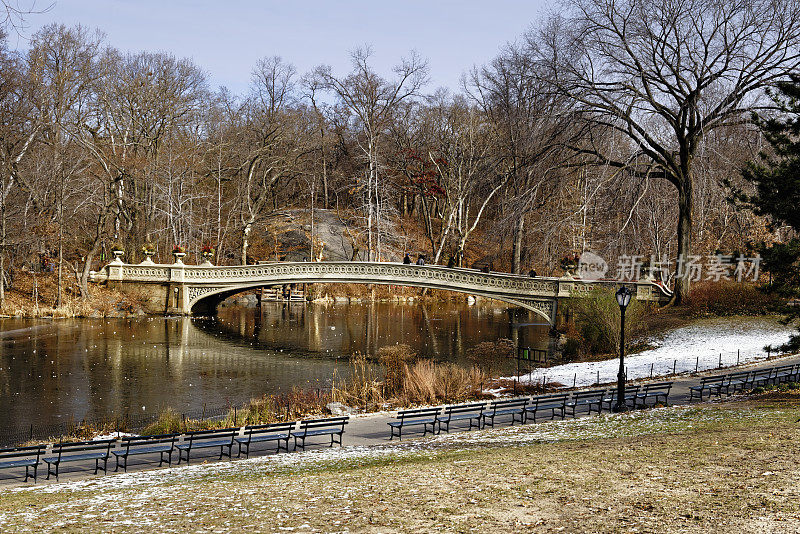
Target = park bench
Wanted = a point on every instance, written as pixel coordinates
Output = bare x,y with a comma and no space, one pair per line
462,412
737,381
207,439
416,417
512,407
79,451
26,457
333,426
630,394
656,391
585,398
553,402
785,373
278,432
712,384
163,444
762,377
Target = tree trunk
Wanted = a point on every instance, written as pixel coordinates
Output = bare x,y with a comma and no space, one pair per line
682,281
83,275
324,176
516,254
2,247
245,242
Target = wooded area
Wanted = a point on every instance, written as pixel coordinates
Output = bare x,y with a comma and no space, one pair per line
612,127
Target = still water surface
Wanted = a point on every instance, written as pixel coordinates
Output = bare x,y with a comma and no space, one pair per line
53,371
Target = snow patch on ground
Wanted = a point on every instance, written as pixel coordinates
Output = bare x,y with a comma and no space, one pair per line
739,340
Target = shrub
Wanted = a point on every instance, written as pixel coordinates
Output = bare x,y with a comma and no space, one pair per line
296,404
362,387
727,297
488,355
571,349
169,421
597,320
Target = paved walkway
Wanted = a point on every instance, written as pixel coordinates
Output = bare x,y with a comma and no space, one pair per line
367,429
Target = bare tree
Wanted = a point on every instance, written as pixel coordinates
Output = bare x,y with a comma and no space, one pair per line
62,69
373,100
531,123
271,146
461,153
13,13
17,133
665,74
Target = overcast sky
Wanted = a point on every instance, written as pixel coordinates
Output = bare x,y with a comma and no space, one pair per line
226,38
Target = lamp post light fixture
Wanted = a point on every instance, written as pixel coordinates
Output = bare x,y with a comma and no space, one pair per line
623,299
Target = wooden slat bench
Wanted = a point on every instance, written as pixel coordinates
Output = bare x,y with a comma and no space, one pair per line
552,403
658,391
26,457
417,417
79,451
512,407
207,439
762,377
462,412
738,381
712,384
163,444
630,397
785,373
592,399
277,432
332,426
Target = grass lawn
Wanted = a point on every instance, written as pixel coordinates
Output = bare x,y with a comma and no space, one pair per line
728,467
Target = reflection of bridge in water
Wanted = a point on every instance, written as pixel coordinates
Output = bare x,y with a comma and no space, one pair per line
188,289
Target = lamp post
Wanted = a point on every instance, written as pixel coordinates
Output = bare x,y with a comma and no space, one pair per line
623,299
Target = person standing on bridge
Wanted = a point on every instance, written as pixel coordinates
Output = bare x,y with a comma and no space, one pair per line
421,259
407,259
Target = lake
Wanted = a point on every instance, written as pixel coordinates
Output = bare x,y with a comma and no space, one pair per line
53,371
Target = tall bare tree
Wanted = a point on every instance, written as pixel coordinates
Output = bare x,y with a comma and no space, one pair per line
531,124
373,100
17,133
63,69
666,73
270,145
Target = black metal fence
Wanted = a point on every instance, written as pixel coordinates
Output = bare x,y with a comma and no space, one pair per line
527,358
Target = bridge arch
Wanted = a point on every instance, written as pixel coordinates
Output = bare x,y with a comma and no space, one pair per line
206,303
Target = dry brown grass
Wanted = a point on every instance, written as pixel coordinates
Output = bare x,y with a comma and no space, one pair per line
394,358
35,295
405,382
363,387
427,382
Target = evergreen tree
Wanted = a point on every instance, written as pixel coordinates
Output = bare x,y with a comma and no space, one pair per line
775,176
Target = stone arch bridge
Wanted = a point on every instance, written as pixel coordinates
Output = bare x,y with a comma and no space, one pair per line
197,289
